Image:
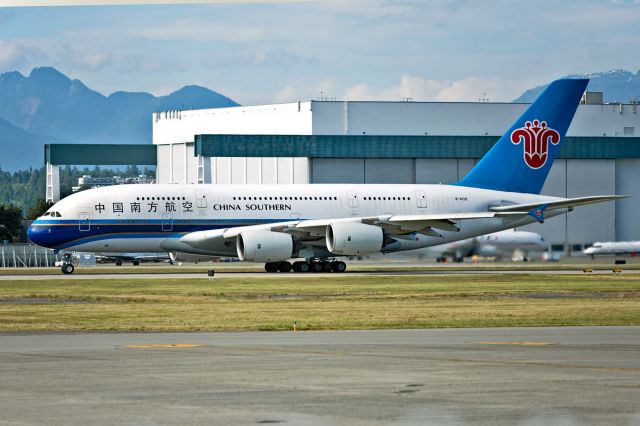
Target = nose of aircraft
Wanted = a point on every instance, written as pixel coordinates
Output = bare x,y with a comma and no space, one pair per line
40,234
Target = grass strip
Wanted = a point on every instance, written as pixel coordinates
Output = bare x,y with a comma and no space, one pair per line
273,302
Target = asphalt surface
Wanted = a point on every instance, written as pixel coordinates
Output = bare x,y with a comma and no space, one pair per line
507,376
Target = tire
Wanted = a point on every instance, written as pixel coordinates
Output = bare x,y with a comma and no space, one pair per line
118,262
304,267
271,267
284,267
67,269
136,263
316,267
339,266
327,267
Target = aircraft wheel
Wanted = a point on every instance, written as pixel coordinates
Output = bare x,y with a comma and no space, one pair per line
118,262
326,267
271,267
284,266
316,267
303,267
136,262
67,269
339,266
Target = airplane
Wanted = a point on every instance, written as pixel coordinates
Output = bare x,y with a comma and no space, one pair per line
509,243
316,224
614,247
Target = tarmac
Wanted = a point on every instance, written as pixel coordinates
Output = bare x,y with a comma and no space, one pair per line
503,376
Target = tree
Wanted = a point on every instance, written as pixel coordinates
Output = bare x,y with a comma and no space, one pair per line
39,208
10,222
132,171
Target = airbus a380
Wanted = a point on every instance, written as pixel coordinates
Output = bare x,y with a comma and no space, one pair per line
315,224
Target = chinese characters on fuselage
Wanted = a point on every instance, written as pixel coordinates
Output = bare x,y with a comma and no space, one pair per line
187,206
151,207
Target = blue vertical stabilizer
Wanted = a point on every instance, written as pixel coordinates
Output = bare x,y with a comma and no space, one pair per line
521,159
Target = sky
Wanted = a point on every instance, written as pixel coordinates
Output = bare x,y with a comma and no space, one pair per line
262,52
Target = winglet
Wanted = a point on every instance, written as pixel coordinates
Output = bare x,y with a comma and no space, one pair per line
538,213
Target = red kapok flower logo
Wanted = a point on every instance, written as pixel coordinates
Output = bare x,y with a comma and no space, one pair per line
535,139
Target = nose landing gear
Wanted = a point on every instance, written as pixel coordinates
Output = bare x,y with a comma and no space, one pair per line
67,267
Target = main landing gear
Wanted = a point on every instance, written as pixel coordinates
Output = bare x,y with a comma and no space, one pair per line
67,267
307,266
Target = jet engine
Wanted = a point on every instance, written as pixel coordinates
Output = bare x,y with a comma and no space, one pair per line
353,238
264,246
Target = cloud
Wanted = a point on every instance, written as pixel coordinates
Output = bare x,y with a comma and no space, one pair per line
420,89
193,29
35,52
286,94
10,53
275,58
151,63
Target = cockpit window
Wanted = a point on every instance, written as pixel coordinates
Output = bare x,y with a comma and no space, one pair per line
58,214
46,214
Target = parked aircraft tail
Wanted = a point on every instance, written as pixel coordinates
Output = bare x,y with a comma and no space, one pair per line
521,159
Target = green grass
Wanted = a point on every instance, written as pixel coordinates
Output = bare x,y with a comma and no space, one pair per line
273,302
241,267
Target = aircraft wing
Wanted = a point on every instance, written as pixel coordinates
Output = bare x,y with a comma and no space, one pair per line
314,229
428,224
560,204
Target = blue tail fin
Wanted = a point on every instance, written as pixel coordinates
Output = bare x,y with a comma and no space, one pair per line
521,159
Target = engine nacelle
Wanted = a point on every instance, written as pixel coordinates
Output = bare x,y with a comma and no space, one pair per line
264,246
354,238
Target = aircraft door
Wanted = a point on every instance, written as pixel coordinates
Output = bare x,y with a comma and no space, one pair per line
352,197
201,199
421,200
84,222
167,223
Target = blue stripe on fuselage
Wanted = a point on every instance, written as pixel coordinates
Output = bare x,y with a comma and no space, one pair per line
61,234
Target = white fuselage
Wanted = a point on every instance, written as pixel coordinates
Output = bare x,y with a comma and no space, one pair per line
497,244
151,218
613,247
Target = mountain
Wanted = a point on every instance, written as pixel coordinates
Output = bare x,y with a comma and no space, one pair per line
47,106
617,85
20,149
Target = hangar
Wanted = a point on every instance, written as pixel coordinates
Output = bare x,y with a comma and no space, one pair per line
346,142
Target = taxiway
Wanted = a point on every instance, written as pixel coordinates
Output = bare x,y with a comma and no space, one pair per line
532,376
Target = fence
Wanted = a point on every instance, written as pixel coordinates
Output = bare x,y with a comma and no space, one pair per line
26,256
